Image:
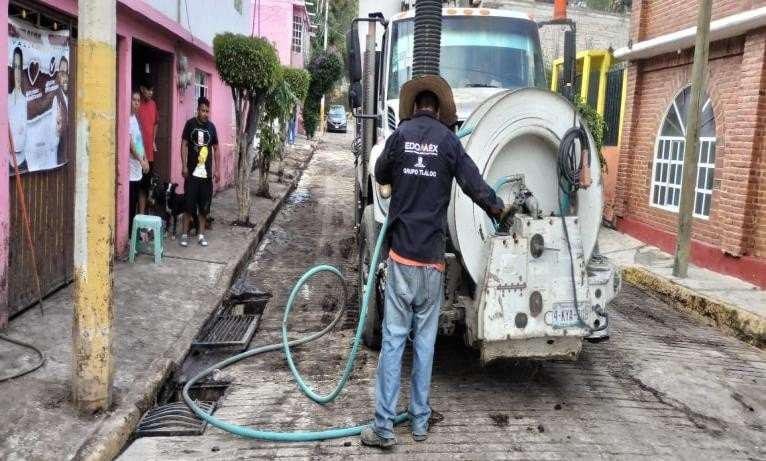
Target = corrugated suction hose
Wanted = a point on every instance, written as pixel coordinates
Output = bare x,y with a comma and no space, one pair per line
428,35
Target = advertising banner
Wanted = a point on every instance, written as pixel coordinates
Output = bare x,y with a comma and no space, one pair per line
38,96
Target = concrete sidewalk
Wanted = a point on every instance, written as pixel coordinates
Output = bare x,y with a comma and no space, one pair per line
729,303
158,311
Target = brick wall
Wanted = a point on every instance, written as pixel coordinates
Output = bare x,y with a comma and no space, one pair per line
737,88
755,219
660,81
658,17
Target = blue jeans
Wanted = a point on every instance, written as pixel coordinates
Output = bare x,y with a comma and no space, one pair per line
291,130
414,296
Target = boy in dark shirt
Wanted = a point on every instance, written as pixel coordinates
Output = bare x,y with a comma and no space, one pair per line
199,157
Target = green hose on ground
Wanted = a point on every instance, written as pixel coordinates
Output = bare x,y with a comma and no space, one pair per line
300,436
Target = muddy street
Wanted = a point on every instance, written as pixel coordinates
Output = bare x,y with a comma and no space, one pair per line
665,385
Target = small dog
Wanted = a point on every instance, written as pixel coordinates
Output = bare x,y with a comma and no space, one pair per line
169,204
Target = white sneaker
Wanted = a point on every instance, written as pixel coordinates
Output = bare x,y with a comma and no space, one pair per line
184,240
201,240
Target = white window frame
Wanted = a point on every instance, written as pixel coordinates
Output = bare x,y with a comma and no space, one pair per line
297,37
203,85
667,167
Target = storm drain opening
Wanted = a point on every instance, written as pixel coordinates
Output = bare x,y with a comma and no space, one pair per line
173,419
231,327
234,323
228,330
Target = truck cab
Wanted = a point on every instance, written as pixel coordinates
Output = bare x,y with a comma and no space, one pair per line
484,52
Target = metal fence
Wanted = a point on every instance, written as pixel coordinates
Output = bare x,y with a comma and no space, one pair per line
613,106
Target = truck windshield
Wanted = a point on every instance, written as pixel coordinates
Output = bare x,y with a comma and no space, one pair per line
486,52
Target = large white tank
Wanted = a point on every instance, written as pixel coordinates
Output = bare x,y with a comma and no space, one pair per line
519,132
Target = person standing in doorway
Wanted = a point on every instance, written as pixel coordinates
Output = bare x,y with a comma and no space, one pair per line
199,157
148,119
138,165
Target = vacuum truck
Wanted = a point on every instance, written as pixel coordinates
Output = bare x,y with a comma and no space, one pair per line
537,287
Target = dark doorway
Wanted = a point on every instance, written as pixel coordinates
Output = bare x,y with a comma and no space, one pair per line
155,65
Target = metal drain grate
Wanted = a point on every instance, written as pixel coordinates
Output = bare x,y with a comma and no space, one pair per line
231,327
173,419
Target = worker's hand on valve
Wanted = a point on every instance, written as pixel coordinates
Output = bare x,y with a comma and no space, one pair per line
504,216
385,190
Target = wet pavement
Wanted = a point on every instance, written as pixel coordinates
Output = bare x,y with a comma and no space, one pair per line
158,309
664,386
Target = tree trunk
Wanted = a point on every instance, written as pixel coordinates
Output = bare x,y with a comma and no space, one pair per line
246,157
281,167
243,181
263,183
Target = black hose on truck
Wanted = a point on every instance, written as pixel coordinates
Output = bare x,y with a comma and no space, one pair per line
569,168
428,36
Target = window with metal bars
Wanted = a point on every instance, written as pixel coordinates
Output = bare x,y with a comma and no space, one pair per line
667,171
297,34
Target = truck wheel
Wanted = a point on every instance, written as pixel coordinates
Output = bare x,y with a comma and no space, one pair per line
371,334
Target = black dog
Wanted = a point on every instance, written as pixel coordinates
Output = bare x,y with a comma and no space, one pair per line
169,204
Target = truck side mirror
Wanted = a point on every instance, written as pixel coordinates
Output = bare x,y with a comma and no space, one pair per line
570,59
353,55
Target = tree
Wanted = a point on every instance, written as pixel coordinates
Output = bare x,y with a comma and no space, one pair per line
326,69
342,12
298,80
250,66
281,102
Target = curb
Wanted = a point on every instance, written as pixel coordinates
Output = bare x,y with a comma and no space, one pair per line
728,317
115,430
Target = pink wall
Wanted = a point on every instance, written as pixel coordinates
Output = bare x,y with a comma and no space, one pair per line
132,26
136,20
4,178
276,25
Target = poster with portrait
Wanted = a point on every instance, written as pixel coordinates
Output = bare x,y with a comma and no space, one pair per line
38,96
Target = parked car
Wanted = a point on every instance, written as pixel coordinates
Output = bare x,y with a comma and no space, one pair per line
336,119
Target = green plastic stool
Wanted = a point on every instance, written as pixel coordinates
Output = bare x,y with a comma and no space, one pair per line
148,222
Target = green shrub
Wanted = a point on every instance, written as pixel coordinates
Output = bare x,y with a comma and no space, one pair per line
298,80
596,125
246,63
325,69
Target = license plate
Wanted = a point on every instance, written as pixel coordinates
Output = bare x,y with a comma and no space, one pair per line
564,315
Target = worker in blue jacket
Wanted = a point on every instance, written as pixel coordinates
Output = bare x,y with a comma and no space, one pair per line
419,161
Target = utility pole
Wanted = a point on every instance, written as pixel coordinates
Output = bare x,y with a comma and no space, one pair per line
691,151
92,330
324,46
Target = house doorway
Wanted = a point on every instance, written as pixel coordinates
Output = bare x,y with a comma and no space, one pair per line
156,66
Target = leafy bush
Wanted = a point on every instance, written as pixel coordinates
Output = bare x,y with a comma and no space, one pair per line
325,69
298,80
246,63
596,125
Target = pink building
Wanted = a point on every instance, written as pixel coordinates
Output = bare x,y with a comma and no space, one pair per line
270,18
170,50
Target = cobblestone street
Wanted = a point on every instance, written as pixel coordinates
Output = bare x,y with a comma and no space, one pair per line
664,386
